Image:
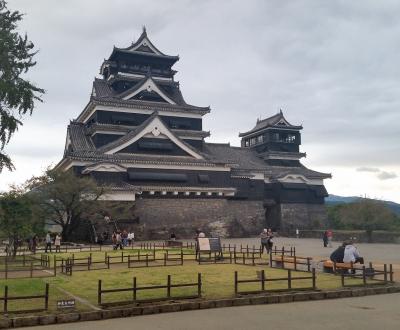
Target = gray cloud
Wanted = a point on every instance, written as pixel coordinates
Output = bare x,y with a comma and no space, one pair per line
386,175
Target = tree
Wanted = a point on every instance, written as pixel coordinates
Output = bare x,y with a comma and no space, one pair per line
64,199
365,214
17,95
16,219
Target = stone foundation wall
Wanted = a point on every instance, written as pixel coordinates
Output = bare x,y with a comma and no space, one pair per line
302,216
216,217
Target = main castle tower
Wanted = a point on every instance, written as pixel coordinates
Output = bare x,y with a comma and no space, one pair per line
138,136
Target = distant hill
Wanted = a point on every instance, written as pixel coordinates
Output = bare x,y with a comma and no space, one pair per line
334,199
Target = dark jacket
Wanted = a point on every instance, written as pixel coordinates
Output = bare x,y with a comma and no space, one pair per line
338,254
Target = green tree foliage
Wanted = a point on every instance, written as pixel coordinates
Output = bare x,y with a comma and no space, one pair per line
64,199
17,95
16,218
365,214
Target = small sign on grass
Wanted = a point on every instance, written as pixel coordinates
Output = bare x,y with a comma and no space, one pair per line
66,304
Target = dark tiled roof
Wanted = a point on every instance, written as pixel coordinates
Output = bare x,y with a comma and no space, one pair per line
79,139
102,88
243,158
248,159
270,122
143,36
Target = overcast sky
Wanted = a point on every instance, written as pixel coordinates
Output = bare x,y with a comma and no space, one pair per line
332,66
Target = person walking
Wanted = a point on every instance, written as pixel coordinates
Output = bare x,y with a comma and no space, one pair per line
119,241
57,243
48,242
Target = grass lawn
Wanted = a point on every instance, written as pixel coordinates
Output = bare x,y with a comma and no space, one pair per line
218,282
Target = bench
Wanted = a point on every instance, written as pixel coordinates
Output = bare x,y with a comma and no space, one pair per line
281,260
333,267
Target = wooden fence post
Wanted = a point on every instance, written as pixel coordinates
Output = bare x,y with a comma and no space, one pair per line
169,286
108,262
99,293
55,265
199,285
5,298
263,280
181,257
6,267
236,282
391,272
289,278
147,260
253,258
314,285
31,269
385,273
270,258
134,289
46,297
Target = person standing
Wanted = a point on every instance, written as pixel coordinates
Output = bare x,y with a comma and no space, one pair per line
48,242
270,235
119,241
264,240
329,234
325,238
57,243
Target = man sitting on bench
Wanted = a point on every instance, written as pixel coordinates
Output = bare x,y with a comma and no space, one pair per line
351,254
338,255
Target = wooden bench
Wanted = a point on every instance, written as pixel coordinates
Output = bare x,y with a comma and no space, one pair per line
333,267
281,260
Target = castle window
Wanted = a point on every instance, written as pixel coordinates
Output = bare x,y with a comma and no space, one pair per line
260,139
246,143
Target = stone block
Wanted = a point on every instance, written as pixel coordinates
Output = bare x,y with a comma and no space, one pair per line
47,319
332,294
357,292
187,306
91,316
241,301
369,291
170,308
223,303
112,313
273,299
69,317
301,296
393,289
5,323
150,310
285,298
25,321
317,295
258,300
207,304
345,293
380,290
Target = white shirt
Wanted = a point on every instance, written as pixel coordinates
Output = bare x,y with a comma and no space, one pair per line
201,235
350,253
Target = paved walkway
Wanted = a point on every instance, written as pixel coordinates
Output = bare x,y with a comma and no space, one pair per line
364,313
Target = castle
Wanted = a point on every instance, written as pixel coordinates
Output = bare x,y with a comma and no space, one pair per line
138,135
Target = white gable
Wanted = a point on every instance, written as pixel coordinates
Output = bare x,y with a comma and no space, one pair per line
150,86
146,42
156,128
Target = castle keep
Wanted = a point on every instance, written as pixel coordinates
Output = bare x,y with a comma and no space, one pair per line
138,135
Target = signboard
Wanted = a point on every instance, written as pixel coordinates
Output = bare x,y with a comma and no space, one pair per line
215,244
209,244
204,244
65,304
